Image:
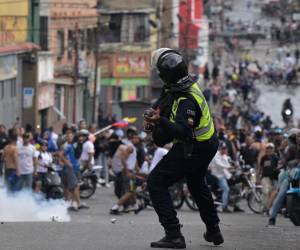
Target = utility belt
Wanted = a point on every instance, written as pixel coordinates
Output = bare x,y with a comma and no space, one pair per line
188,146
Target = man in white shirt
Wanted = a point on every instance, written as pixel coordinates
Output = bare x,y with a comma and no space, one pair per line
289,63
27,163
44,161
128,176
88,149
219,168
120,168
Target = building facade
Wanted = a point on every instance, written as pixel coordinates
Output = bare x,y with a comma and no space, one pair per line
67,30
15,51
128,36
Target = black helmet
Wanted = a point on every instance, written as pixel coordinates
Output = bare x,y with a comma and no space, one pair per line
170,65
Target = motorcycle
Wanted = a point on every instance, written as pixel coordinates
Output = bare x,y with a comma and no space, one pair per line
242,184
293,196
52,186
287,111
251,191
143,198
88,182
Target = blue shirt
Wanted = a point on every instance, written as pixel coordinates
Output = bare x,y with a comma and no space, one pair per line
69,152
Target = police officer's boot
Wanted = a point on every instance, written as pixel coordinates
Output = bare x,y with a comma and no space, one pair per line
173,239
213,234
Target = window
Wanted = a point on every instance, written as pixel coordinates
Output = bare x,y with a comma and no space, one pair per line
140,92
111,33
44,32
90,41
2,92
70,43
13,87
135,28
141,28
60,43
82,39
117,93
8,87
59,98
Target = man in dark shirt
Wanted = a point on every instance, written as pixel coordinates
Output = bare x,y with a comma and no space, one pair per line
249,153
3,143
268,174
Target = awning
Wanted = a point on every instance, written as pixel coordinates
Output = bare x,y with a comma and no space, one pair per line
18,48
61,81
125,81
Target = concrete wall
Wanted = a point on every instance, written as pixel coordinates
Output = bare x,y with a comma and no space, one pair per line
10,107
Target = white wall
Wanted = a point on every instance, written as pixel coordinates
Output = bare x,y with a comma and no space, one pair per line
45,66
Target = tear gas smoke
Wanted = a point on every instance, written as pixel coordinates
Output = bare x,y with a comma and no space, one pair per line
27,206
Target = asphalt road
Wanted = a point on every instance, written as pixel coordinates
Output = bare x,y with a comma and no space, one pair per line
92,230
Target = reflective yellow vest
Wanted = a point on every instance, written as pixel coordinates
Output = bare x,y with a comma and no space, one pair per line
205,130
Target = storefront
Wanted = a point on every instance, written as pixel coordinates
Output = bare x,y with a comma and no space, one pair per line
124,77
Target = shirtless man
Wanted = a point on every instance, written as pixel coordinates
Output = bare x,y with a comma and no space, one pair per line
119,166
11,158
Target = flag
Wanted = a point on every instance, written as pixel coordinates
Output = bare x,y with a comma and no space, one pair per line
120,124
130,119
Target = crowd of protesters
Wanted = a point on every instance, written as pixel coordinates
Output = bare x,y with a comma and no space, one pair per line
285,32
27,156
245,131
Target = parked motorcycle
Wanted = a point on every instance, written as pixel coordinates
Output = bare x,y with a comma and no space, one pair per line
52,186
293,196
88,182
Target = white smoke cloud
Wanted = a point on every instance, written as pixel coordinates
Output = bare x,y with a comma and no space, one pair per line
26,206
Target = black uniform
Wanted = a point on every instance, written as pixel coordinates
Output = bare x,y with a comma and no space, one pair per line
188,158
176,166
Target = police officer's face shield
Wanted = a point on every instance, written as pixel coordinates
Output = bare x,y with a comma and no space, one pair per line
155,57
156,54
171,68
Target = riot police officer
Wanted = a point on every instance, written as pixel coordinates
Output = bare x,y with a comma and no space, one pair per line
181,115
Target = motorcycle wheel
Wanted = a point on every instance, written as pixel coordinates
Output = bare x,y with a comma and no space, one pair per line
190,202
293,208
87,188
254,201
177,196
55,193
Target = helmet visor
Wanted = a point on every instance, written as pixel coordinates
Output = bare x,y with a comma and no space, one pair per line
155,56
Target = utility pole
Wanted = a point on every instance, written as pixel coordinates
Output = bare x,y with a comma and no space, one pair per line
96,52
76,72
159,10
187,32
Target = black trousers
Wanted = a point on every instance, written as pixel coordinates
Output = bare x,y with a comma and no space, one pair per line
119,184
174,167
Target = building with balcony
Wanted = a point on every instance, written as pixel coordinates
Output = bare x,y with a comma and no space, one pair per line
67,30
128,36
